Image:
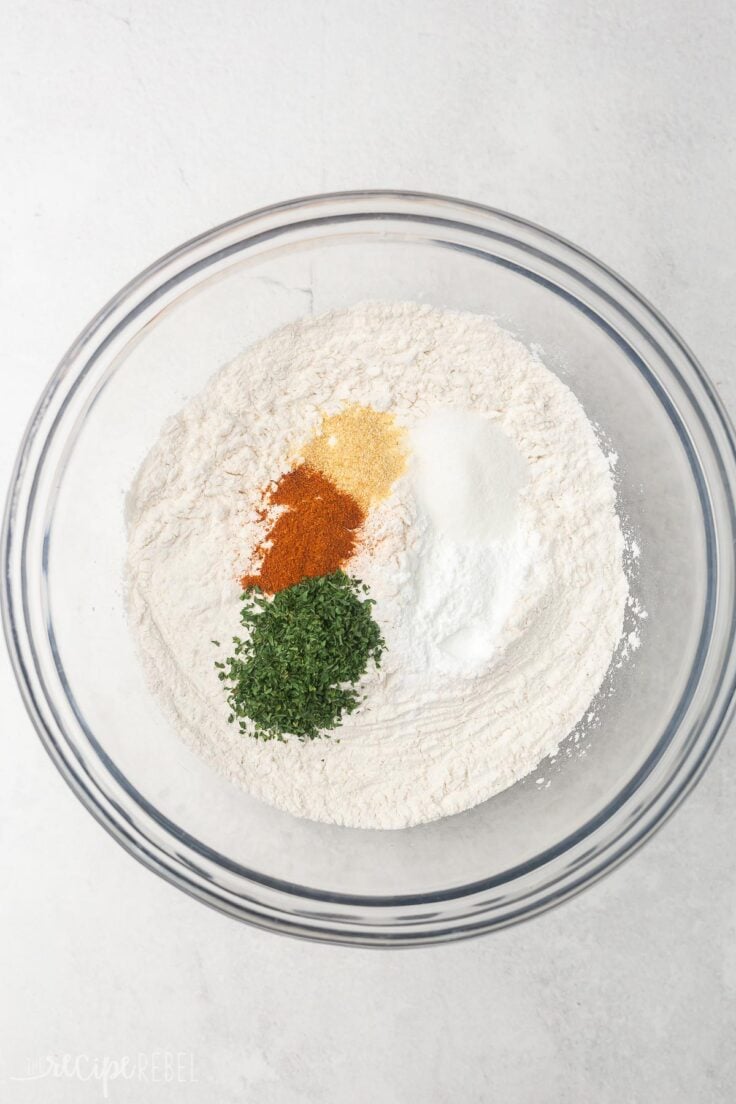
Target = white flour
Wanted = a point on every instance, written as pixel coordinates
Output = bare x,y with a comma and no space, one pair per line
473,693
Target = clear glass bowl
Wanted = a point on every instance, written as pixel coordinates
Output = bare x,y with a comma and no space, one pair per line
150,349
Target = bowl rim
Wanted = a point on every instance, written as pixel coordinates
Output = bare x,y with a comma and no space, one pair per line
271,913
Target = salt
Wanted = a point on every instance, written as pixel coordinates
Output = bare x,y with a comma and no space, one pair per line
467,475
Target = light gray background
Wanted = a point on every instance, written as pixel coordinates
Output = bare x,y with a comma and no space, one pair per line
126,127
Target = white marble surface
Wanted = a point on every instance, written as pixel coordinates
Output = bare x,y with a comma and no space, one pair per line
127,126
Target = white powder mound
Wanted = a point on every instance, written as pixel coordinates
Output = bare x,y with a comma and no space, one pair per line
470,553
500,624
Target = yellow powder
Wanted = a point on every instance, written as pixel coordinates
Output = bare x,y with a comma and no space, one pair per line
361,450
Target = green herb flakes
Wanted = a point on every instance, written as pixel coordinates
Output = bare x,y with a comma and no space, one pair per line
296,671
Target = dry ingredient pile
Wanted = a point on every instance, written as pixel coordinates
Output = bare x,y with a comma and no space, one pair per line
375,569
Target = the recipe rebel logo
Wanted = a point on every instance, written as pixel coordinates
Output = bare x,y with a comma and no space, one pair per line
157,1067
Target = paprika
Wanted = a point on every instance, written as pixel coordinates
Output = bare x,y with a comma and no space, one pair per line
314,535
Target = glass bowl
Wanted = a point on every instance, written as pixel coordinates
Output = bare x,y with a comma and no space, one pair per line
150,349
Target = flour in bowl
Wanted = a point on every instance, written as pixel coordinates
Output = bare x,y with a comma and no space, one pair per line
495,562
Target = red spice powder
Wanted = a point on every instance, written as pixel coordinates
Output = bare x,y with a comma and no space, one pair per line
315,535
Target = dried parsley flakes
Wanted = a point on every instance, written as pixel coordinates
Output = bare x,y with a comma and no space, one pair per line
296,671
